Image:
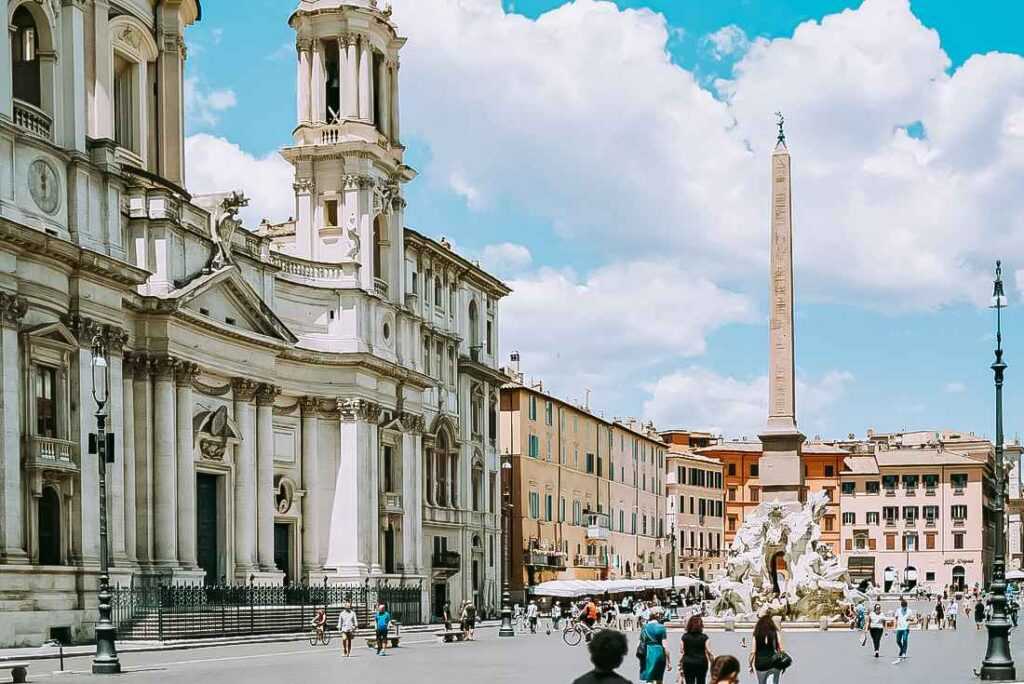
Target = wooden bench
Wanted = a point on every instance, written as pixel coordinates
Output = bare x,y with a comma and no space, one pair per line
372,641
19,671
449,635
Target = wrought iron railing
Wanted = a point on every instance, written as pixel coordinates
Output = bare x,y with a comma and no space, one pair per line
166,612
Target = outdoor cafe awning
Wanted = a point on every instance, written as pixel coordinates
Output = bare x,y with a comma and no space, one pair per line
578,588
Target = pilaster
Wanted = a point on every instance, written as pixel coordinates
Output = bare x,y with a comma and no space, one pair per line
142,418
311,557
72,66
165,471
170,92
365,79
265,508
184,374
244,391
302,80
317,84
12,541
6,84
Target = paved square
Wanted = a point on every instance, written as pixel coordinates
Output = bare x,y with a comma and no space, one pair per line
834,657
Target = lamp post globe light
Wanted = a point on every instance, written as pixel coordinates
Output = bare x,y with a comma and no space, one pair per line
105,661
998,663
506,629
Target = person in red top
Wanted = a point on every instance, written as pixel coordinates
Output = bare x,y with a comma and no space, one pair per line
591,613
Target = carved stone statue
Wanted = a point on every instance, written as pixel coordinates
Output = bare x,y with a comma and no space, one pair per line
816,584
223,225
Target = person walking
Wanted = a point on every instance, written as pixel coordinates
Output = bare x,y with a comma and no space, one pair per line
382,622
607,649
656,657
696,655
904,617
767,644
591,613
725,670
556,615
348,623
446,616
952,610
940,614
979,613
532,615
875,627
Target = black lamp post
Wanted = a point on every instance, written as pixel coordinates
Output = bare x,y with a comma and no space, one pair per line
998,663
506,550
105,661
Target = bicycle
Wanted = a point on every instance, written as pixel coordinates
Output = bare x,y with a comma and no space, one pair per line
321,636
576,631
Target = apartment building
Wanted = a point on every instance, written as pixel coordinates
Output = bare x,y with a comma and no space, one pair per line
695,504
587,495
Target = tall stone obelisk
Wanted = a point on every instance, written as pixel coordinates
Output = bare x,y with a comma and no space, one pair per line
780,470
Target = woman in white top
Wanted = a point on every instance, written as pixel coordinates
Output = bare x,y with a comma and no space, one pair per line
875,626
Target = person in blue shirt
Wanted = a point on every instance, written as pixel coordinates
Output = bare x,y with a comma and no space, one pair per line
382,621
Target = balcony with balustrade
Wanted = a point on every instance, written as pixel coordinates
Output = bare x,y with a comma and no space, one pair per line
552,560
50,453
391,503
33,120
590,560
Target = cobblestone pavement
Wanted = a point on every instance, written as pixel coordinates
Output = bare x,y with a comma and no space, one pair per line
833,657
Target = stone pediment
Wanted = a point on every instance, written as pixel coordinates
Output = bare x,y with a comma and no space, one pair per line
225,294
55,333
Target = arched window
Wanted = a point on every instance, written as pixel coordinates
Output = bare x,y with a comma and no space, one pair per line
32,68
49,528
474,328
25,57
438,298
380,245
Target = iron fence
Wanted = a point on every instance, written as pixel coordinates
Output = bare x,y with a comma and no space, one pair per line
164,612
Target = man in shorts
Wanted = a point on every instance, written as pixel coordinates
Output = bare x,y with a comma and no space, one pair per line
382,621
348,623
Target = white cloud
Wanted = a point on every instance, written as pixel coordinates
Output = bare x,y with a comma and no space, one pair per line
955,387
203,106
604,330
505,258
282,53
727,41
583,117
216,165
701,399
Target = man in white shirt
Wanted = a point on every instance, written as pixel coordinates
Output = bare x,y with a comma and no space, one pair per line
532,613
347,625
904,618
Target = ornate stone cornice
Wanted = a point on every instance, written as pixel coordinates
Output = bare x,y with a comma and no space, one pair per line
163,367
266,393
185,372
211,390
303,185
412,422
359,409
287,410
244,389
86,329
356,181
309,406
12,308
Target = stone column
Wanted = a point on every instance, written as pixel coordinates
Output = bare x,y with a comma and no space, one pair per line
186,509
365,80
351,82
316,84
265,476
395,129
165,471
102,112
72,64
342,77
127,455
170,93
12,513
412,499
6,84
244,392
302,81
142,417
311,483
115,425
385,98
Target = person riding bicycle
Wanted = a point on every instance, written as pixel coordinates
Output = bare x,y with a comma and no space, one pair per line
319,621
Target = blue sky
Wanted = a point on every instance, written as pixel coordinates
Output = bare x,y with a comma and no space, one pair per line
612,166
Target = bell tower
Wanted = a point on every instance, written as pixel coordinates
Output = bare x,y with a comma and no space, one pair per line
347,149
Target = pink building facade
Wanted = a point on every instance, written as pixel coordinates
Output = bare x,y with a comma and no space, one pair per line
914,517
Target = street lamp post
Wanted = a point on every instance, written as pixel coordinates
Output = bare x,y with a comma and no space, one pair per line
998,663
506,531
672,561
105,661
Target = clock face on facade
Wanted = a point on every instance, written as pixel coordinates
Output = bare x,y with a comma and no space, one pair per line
44,185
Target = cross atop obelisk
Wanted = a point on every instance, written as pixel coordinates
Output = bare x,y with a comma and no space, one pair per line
780,470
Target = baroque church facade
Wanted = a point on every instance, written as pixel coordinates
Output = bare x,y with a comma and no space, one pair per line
313,400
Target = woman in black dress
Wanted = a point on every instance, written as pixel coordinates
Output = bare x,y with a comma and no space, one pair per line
696,654
767,644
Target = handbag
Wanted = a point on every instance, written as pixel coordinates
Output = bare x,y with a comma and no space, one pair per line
781,661
641,648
